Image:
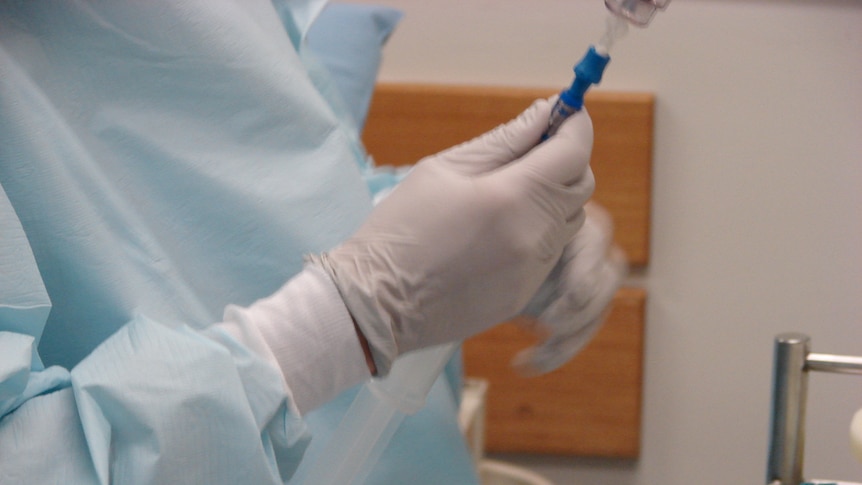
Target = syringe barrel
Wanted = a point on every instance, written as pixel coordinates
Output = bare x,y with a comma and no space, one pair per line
559,113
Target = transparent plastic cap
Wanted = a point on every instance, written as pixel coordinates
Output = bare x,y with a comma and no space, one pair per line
638,12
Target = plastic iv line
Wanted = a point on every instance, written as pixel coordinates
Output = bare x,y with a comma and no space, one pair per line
637,12
589,69
375,414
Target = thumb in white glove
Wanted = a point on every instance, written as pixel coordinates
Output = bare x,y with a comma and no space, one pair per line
573,302
467,238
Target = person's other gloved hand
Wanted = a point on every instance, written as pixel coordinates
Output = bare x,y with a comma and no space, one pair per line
572,303
467,238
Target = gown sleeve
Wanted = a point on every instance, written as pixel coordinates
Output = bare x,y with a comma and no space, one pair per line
211,124
154,403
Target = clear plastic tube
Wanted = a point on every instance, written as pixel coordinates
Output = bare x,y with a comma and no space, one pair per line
638,12
616,28
358,442
375,414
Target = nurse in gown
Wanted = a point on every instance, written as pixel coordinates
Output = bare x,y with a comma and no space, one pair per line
159,161
183,197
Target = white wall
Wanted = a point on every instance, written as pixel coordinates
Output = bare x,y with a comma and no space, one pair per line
757,213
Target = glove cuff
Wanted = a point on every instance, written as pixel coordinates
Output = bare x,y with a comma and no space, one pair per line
379,335
305,330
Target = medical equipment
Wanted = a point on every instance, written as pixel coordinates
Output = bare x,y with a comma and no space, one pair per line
374,416
589,69
792,362
638,12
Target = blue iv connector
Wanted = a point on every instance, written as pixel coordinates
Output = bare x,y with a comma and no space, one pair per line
587,72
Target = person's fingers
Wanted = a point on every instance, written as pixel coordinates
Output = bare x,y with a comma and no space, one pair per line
502,145
563,158
576,301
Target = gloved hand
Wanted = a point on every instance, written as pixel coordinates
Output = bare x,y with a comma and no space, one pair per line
468,236
572,302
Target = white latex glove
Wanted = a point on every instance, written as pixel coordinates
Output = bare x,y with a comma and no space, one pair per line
572,303
467,238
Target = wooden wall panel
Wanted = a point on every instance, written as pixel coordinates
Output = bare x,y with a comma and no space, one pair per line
589,407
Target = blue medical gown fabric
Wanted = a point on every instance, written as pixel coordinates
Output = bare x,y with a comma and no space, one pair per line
347,39
158,161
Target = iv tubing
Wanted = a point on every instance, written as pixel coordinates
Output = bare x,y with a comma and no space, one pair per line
374,416
588,71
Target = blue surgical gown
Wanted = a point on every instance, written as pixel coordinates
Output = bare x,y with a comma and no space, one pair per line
160,160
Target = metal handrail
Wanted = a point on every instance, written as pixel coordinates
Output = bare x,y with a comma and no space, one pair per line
792,362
